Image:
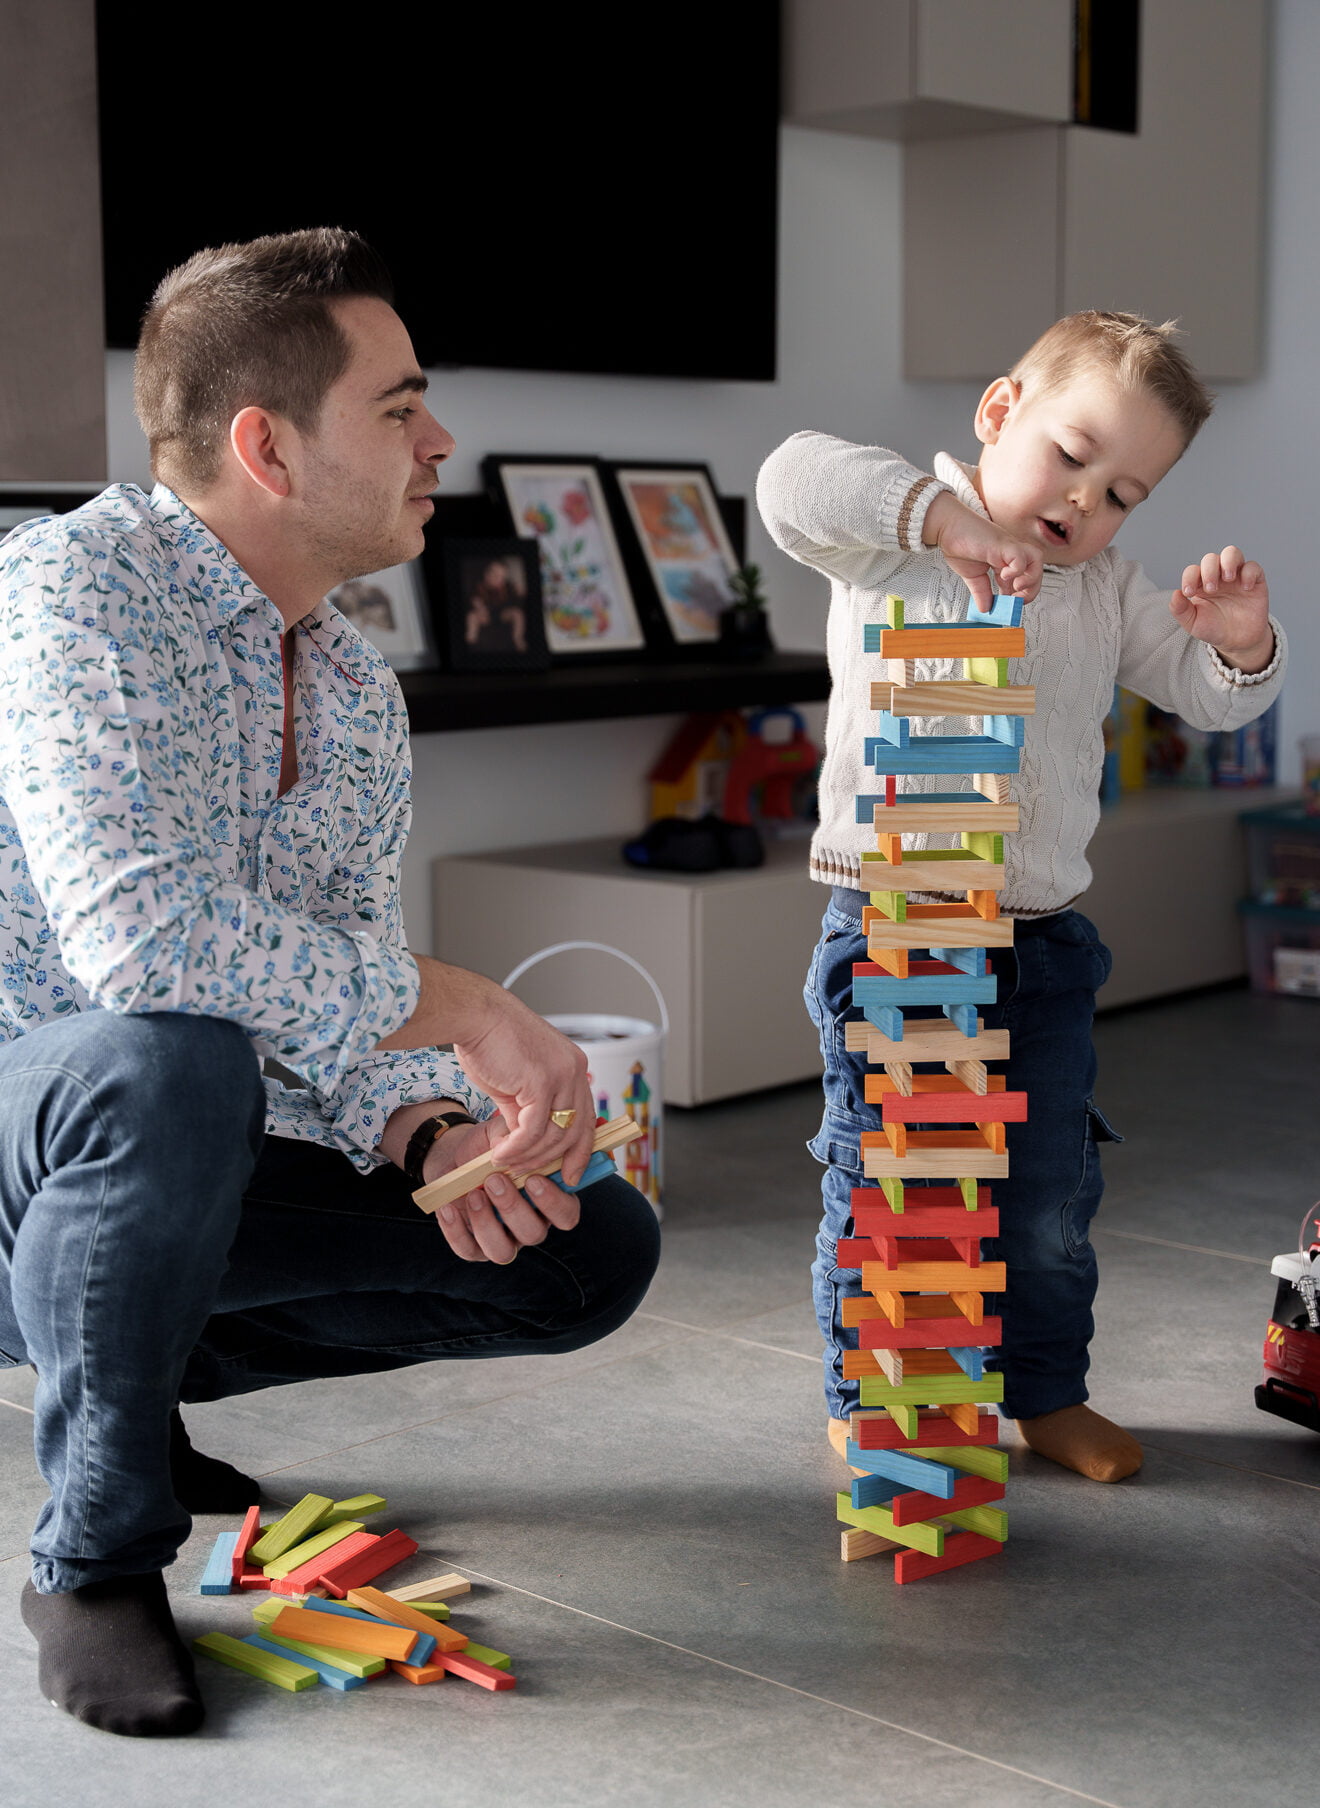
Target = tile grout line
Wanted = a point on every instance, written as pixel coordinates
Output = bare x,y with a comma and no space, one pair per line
707,1331
892,1726
1197,1249
14,1406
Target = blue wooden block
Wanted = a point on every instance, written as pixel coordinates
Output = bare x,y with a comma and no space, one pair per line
1011,730
970,1361
942,753
887,1020
952,990
422,1651
873,1491
963,1016
893,729
871,632
218,1576
338,1679
905,1471
966,960
601,1164
1004,612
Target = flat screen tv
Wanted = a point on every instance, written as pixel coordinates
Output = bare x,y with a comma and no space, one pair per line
590,188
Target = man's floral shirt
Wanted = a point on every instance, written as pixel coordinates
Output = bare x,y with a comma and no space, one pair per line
147,860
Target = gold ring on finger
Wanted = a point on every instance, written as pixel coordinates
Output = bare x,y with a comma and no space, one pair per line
564,1119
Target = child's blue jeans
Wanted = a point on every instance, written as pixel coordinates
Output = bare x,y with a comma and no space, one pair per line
156,1246
1046,998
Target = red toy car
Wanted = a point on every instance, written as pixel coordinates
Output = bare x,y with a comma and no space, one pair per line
1291,1387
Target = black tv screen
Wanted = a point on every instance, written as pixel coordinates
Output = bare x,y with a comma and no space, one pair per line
590,188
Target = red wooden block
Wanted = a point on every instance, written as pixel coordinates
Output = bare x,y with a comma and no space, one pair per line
961,1225
350,1572
954,1108
933,1427
246,1539
471,1669
308,1574
918,969
893,1251
928,1334
853,1251
969,1491
960,1547
249,1579
918,1199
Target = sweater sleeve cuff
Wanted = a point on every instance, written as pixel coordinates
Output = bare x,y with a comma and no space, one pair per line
1229,675
904,504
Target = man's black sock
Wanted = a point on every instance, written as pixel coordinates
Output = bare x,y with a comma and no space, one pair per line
203,1484
110,1655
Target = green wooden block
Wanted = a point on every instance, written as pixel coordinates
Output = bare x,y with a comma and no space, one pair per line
990,1522
930,1390
498,1660
296,1525
892,1188
283,1672
357,1663
919,1536
906,1418
311,1547
894,611
986,671
967,1187
892,904
984,845
434,1610
360,1506
971,1459
265,1610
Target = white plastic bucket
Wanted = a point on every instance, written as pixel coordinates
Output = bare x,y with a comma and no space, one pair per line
626,1056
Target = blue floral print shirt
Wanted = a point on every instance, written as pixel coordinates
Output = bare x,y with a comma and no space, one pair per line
147,860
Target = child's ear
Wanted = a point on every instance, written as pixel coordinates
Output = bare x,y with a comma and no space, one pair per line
994,408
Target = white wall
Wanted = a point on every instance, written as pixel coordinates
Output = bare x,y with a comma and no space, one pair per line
1246,479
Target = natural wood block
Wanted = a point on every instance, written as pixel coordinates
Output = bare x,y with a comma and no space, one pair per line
971,1074
854,1544
929,923
954,698
994,785
918,872
434,1588
934,1155
899,1076
915,816
926,1039
472,1174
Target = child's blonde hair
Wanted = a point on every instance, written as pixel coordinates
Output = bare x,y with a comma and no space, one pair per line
1136,352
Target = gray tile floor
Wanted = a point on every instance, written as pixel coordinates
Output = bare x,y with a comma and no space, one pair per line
649,1523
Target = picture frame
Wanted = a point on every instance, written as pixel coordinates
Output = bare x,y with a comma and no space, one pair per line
490,607
389,608
563,503
682,545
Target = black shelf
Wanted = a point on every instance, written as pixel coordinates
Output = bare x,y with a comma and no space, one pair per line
443,702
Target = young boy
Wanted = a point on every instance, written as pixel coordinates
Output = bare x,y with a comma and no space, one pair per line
1079,433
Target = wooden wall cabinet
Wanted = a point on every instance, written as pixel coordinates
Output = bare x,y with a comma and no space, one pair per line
52,333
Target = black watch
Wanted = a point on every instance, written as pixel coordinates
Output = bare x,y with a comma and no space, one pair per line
422,1139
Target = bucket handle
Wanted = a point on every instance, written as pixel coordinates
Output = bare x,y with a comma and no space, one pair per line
601,948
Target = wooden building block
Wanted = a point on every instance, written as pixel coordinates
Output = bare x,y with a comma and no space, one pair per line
471,1669
296,1525
952,640
971,1074
384,1607
986,1522
890,1196
953,697
351,1572
307,1576
434,1588
952,1221
933,1277
965,930
854,1544
899,1075
873,1430
371,1636
218,1576
359,1506
421,1673
923,1537
928,1390
926,1039
248,1533
264,1665
944,815
310,1548
929,871
333,1674
961,1547
925,1333
995,786
352,1663
472,1174
954,1107
974,1459
937,1154
970,1491
944,1083
939,1480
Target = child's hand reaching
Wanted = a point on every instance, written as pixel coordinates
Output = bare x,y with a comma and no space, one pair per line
983,555
1226,601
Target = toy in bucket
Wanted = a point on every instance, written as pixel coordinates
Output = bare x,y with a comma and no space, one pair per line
625,1054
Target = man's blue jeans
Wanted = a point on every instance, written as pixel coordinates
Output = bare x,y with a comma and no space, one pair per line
1046,1000
156,1246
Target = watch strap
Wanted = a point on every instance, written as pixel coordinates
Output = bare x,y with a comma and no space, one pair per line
424,1138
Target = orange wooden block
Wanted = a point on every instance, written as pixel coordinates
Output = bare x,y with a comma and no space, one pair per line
345,1634
399,1613
431,1672
859,1364
934,912
985,904
891,846
953,643
896,1134
936,1082
960,1413
996,1138
893,960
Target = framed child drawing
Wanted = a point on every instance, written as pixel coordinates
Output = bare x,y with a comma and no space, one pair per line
688,557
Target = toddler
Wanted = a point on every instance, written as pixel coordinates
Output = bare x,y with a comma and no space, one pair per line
1072,439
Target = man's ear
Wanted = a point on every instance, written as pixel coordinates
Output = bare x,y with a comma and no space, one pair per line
994,408
259,441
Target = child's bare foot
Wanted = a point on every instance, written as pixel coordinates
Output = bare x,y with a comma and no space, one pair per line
1082,1440
840,1430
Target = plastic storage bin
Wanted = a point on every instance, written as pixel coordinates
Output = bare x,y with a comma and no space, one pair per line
1283,856
1283,948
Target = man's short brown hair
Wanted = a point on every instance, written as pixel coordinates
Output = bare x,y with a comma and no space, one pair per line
1136,352
243,326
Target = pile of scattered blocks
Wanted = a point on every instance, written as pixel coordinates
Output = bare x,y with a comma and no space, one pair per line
319,1620
922,1331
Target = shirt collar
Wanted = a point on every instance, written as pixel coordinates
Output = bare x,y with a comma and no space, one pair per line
204,565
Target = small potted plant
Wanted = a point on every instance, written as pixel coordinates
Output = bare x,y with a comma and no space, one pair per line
744,624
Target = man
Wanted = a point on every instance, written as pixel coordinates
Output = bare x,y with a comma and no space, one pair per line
203,806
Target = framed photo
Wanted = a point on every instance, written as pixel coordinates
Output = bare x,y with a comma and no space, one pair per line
388,608
688,555
492,615
561,503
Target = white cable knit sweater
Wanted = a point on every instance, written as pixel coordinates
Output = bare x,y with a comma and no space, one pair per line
855,513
